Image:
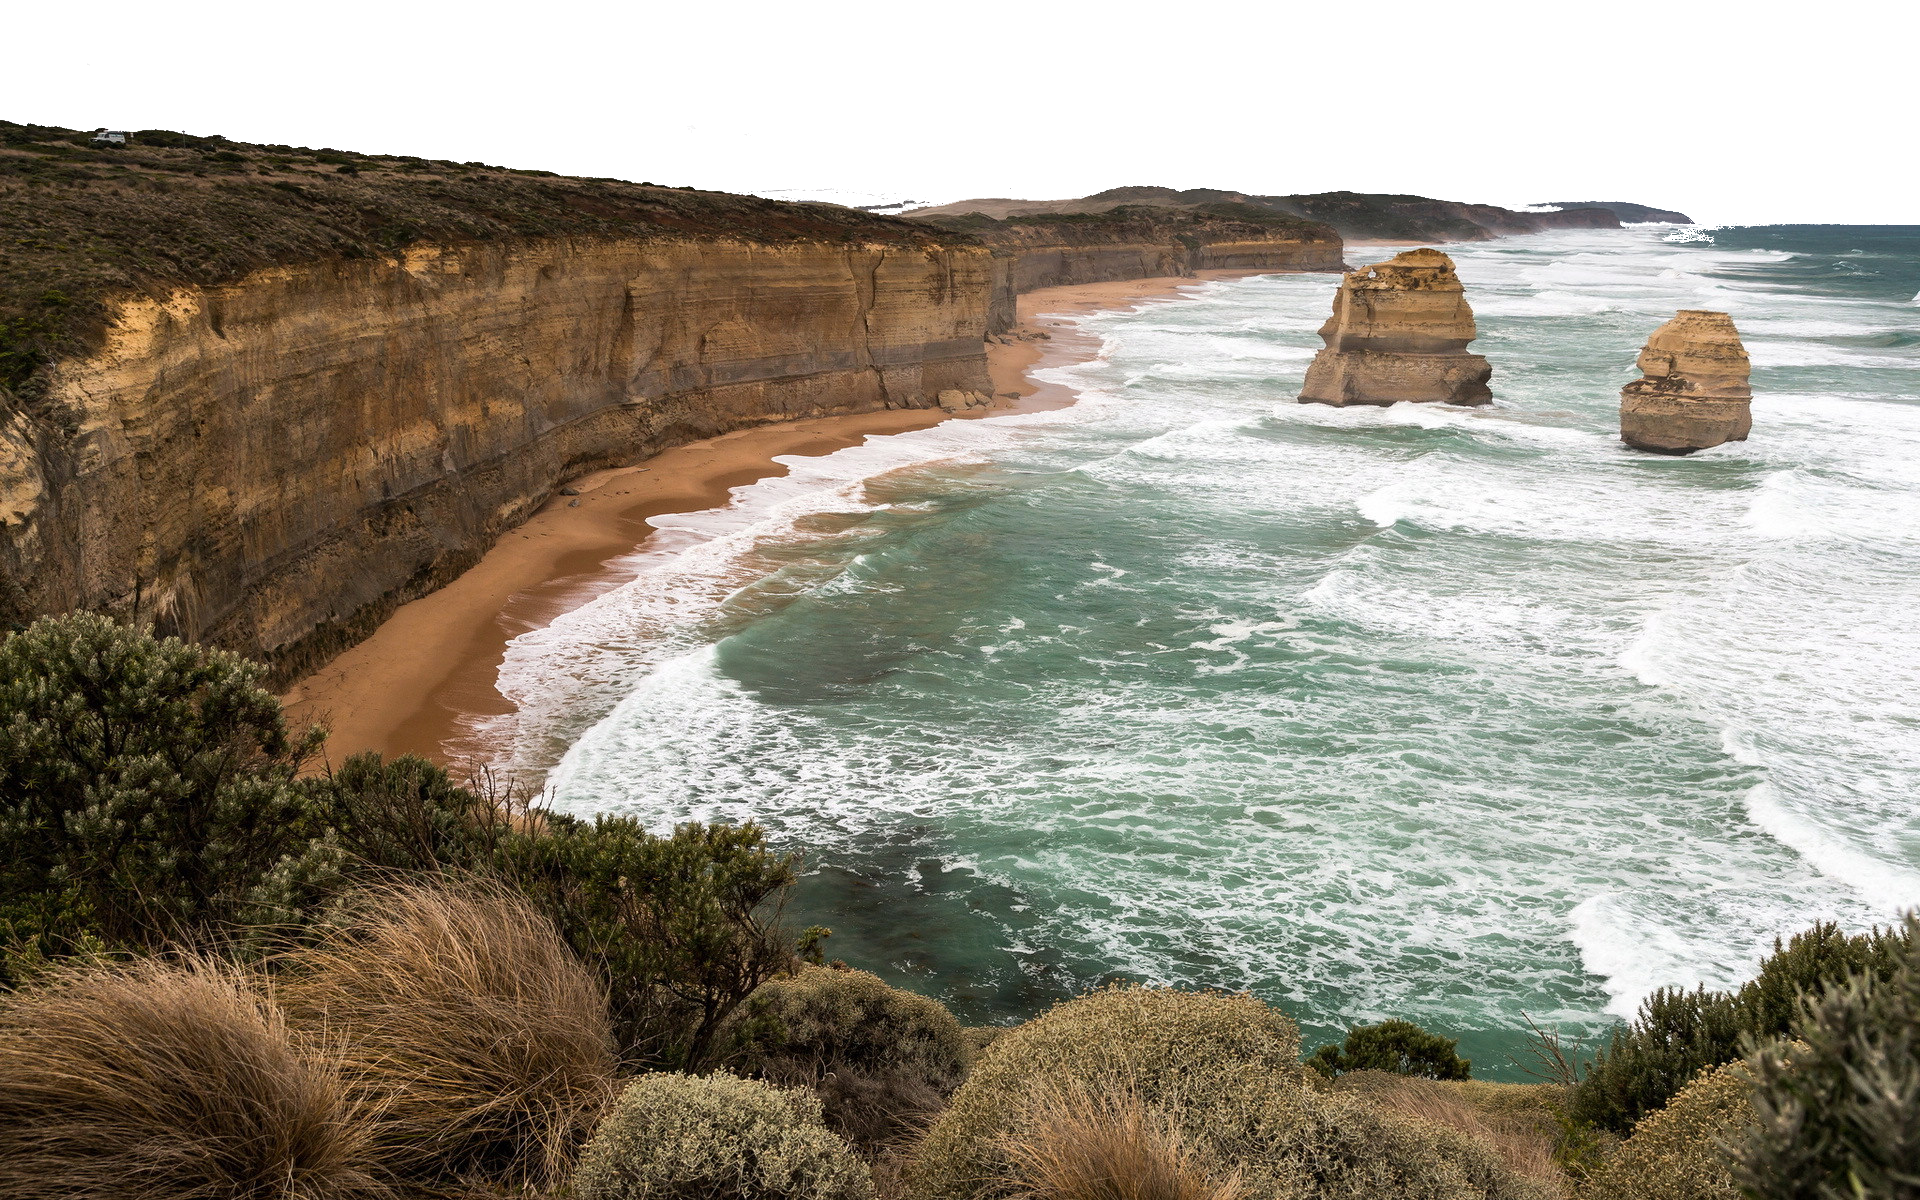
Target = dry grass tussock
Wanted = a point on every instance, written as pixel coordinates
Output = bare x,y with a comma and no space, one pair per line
476,1045
1514,1120
167,1080
1076,1143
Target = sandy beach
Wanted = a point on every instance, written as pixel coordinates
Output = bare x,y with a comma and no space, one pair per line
412,686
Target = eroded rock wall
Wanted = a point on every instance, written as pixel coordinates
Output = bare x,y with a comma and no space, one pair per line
273,465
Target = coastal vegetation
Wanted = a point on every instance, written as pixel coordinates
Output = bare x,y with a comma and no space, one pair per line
386,983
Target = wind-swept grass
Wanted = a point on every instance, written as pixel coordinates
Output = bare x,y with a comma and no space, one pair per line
476,1045
168,1079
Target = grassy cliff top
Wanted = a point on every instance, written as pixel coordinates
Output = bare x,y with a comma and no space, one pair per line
78,223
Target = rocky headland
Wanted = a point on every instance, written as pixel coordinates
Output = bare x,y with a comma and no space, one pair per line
1355,216
1630,213
262,395
1399,331
1694,394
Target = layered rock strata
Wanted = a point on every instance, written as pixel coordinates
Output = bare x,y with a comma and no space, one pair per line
1399,331
273,464
1139,242
1695,393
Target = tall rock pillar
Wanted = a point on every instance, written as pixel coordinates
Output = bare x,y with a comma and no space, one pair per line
1399,331
1695,393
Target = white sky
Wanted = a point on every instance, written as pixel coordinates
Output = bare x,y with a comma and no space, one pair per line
1733,112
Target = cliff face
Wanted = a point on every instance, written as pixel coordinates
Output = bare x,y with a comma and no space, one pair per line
1695,392
1399,331
272,464
1139,242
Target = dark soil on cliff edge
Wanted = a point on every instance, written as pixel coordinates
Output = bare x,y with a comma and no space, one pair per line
79,222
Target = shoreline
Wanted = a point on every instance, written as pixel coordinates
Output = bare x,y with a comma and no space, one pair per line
430,668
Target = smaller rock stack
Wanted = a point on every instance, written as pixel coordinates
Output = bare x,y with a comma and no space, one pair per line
1399,331
1695,393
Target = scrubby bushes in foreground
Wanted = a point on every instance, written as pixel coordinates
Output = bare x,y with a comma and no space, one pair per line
1684,1151
169,1080
679,1137
1226,1071
1679,1033
148,797
880,1058
1838,1113
476,1044
1075,1142
146,787
465,978
1397,1047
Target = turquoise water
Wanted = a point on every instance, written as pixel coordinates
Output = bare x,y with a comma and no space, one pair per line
1422,712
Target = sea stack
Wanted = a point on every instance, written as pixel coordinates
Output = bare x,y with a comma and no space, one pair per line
1695,393
1399,331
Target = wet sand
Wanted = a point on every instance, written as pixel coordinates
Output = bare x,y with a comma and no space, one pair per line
415,685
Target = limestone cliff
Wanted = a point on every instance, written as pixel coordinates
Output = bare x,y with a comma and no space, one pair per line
271,455
1695,392
1140,242
1399,331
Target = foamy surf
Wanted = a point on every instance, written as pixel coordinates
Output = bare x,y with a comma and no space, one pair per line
1418,712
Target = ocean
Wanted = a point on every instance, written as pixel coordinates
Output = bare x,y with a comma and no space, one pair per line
1462,716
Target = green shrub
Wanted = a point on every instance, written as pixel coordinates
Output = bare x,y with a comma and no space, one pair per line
477,1045
1399,1047
877,1056
1226,1069
682,928
1685,1150
146,785
1678,1034
680,1137
1842,1118
156,1080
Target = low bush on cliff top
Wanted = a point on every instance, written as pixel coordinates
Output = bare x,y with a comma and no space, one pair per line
1678,1033
1073,1142
168,1080
878,1057
1686,1150
147,798
678,1137
1224,1069
1838,1116
146,787
1399,1047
